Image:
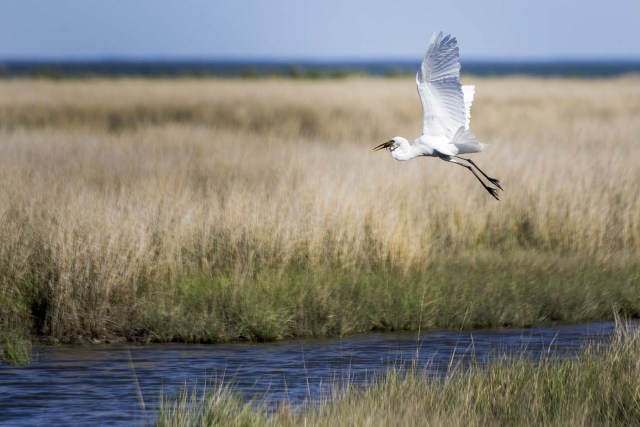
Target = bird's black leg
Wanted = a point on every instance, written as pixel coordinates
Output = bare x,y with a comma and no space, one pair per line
494,181
491,190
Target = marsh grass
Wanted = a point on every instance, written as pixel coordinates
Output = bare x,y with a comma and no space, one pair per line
212,210
484,293
15,348
601,386
214,404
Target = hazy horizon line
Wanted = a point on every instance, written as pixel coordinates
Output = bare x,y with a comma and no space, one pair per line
306,60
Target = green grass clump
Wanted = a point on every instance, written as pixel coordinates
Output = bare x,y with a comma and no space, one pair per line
15,348
599,387
216,405
482,292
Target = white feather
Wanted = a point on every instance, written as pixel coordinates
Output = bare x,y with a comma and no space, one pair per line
438,82
468,91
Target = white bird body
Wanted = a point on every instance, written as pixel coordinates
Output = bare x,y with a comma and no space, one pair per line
434,146
446,108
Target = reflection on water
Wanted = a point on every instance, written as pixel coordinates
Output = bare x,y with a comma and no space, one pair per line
96,384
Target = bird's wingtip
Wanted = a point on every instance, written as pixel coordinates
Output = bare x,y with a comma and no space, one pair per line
436,37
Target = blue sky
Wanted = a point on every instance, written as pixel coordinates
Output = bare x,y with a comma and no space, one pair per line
296,29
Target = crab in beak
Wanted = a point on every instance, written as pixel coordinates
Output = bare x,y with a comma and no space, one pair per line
387,144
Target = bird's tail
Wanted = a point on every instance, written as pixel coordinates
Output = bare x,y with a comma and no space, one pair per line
466,142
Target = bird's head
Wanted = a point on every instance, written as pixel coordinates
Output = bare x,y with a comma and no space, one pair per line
392,144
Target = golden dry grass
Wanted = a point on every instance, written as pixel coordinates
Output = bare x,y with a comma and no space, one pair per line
112,192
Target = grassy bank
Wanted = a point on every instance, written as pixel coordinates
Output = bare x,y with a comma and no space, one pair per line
211,210
600,387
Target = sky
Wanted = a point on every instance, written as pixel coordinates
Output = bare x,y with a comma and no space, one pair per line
317,30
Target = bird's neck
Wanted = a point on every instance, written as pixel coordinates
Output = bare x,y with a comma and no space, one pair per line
404,152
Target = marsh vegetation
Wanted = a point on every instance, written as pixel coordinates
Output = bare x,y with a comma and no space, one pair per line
599,387
213,210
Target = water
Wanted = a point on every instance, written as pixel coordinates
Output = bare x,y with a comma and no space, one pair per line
306,69
97,384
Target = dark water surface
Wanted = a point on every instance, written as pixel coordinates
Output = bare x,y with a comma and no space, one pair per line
251,68
96,384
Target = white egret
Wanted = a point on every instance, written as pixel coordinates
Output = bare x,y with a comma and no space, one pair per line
446,108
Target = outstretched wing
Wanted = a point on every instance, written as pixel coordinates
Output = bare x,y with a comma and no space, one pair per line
438,80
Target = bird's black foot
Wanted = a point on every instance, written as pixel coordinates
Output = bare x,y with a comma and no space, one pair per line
496,182
493,192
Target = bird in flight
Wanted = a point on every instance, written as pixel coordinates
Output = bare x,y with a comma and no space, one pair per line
446,109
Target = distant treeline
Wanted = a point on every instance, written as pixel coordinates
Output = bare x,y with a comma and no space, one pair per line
306,70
